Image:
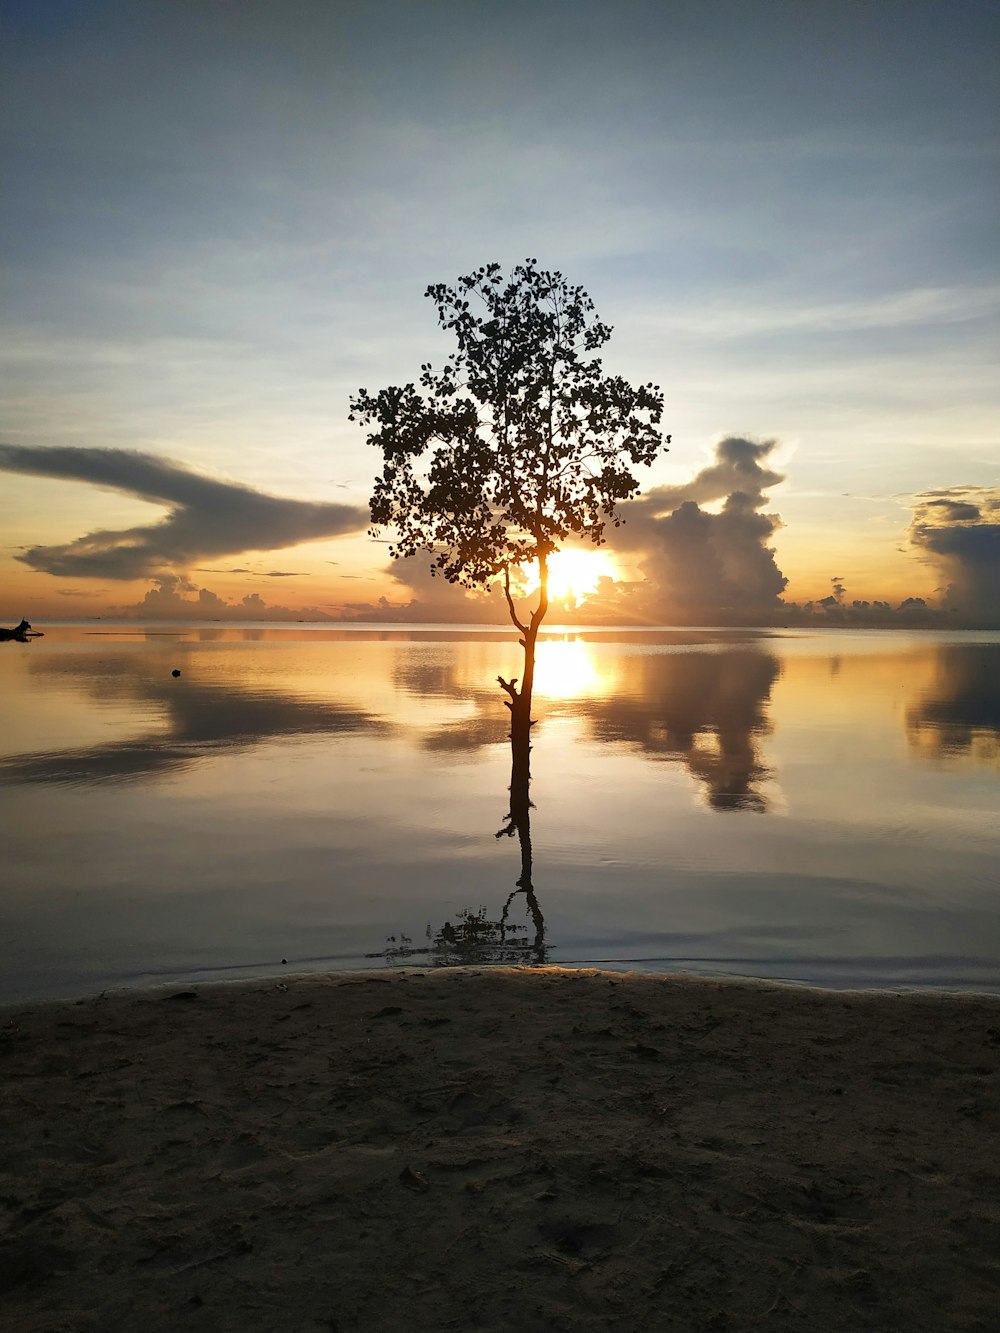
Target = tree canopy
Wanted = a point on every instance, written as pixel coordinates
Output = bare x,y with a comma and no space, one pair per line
519,441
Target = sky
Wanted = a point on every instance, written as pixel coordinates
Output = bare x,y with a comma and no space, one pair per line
219,220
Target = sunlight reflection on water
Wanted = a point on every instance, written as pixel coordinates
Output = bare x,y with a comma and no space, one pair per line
315,794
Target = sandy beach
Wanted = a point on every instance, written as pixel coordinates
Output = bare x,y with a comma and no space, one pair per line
503,1150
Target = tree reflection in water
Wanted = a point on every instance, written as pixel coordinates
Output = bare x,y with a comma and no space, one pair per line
518,821
475,938
707,710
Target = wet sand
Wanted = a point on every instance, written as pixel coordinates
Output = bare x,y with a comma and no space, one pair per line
502,1150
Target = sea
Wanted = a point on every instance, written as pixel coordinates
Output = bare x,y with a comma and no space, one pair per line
226,801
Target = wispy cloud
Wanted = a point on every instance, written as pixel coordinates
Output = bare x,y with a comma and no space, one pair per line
256,573
206,519
895,310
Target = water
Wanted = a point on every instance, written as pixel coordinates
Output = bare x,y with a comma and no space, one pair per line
813,807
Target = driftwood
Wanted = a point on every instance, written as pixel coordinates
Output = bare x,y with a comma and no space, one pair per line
22,633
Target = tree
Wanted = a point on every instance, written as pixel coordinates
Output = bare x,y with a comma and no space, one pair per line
518,443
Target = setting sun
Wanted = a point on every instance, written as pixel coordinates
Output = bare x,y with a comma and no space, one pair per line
573,574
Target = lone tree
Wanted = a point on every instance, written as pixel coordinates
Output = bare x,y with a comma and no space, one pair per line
517,443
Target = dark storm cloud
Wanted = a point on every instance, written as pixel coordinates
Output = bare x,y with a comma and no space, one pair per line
958,531
207,518
700,564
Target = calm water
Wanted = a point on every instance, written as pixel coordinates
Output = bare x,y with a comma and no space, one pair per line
820,807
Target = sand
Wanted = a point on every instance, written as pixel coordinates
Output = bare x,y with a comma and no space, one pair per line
505,1150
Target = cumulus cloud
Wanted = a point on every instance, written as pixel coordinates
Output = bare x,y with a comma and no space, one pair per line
738,469
699,564
958,531
207,518
174,597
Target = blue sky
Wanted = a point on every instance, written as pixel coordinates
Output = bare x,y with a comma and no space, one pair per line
220,218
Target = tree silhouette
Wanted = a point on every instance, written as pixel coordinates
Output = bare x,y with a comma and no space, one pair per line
519,442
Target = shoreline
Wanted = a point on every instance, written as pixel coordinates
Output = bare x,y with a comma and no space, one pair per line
269,975
500,1148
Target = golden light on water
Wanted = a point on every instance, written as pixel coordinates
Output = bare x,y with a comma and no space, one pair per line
566,669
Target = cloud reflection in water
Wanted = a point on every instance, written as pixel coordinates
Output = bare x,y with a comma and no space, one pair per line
960,715
705,709
189,718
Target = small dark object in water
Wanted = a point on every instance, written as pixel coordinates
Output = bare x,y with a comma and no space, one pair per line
21,633
175,673
285,961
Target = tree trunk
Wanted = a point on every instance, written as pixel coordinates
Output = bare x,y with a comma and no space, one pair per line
519,701
520,722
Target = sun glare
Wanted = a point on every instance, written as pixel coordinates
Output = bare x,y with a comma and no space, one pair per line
573,575
566,669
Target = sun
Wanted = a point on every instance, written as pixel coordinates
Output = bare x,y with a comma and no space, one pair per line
573,574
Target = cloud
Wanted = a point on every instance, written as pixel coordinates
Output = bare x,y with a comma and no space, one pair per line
207,518
431,599
700,565
697,565
913,307
953,511
958,531
738,467
166,600
256,573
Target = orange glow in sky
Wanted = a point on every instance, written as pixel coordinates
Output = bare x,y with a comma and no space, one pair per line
573,574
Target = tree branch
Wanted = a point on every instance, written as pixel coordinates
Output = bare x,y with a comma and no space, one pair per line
510,604
508,686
